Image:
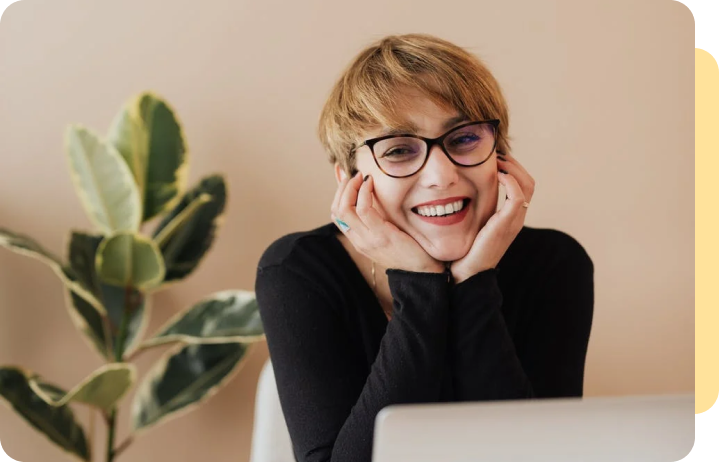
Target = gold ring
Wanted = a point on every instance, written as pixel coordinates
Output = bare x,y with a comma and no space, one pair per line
525,205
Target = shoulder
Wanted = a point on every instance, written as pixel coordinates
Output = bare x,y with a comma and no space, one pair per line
297,273
297,248
556,270
550,247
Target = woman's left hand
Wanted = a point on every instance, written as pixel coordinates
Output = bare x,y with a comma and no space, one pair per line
497,234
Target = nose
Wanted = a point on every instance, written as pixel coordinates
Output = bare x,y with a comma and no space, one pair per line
439,172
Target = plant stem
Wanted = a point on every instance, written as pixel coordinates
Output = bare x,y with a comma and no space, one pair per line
122,446
111,421
91,424
142,348
119,347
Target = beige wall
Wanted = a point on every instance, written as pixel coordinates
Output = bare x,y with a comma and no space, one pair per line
601,102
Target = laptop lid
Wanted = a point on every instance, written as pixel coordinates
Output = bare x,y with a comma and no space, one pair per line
627,428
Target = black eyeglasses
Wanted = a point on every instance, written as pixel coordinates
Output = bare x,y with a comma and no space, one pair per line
403,155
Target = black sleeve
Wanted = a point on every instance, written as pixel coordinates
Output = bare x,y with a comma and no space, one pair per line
328,404
556,343
486,365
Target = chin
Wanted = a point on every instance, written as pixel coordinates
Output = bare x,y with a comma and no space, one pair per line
448,253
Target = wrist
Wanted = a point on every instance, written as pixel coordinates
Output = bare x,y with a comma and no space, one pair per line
436,267
460,276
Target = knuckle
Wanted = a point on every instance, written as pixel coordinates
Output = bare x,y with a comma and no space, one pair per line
380,241
372,243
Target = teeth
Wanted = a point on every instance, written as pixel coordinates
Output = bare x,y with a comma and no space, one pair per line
440,210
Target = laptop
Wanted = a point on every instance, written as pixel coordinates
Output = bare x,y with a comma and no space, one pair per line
628,428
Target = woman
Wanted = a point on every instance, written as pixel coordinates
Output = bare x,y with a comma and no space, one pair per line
420,290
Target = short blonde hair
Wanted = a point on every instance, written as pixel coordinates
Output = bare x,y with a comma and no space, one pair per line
366,95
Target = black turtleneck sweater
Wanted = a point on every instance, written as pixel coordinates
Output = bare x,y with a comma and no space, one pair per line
516,331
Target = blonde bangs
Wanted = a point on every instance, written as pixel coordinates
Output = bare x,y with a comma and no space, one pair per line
373,90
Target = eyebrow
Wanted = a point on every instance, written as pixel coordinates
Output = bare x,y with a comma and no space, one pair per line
410,127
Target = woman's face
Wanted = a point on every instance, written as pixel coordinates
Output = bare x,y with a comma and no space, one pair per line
439,179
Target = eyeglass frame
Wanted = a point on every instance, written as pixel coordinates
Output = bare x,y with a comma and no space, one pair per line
430,142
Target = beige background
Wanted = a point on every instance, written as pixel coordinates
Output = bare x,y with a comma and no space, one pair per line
601,102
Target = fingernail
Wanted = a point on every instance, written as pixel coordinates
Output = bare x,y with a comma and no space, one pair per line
502,171
365,178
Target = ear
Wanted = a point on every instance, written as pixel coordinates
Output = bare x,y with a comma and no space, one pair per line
339,173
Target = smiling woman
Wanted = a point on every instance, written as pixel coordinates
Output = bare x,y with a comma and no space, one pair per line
400,299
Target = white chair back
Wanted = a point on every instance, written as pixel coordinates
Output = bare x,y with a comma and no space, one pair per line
270,437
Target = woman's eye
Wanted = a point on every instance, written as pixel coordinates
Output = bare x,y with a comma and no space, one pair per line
398,152
464,139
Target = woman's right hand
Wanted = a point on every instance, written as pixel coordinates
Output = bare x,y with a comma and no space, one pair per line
372,235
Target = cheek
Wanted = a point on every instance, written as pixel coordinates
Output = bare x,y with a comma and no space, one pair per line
392,202
487,184
365,163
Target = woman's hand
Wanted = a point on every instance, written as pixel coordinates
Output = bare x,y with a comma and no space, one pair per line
372,235
497,234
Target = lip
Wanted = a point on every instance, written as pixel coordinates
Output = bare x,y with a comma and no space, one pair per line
446,220
441,201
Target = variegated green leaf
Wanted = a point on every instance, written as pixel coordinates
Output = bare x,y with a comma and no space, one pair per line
149,137
191,234
129,135
90,323
129,260
181,219
102,389
184,377
82,252
114,298
25,245
81,257
103,182
227,316
56,423
48,392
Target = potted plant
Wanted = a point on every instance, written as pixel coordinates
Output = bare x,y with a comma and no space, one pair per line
136,174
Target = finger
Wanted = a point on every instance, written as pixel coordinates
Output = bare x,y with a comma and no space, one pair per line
334,210
366,203
338,194
504,159
515,196
364,198
347,204
526,182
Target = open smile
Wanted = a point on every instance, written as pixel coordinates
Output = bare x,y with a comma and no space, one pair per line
448,214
